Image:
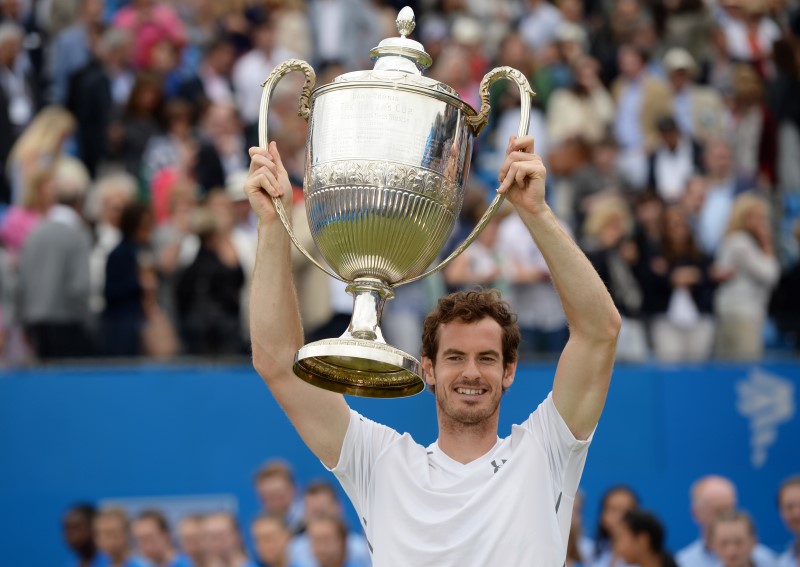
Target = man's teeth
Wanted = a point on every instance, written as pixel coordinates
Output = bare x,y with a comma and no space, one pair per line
469,391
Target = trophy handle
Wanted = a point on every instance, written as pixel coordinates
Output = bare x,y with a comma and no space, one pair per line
477,123
304,111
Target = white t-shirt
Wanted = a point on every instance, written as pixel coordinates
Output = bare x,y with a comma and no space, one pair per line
419,507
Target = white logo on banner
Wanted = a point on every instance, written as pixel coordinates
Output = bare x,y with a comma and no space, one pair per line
767,401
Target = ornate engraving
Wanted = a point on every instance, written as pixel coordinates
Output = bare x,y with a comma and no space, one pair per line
304,110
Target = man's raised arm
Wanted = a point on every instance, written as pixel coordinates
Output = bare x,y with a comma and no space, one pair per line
584,370
320,417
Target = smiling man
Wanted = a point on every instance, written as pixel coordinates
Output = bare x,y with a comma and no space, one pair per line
470,498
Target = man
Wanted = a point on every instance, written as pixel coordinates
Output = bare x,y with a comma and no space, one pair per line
789,505
276,490
54,285
733,538
469,498
271,541
714,497
153,541
77,530
328,536
224,541
191,540
319,501
112,536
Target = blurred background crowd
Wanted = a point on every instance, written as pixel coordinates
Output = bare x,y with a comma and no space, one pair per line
306,527
670,128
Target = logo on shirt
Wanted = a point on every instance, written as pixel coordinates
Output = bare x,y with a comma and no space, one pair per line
497,465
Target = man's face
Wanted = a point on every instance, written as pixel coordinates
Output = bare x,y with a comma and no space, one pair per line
614,509
628,545
111,536
713,501
319,505
151,542
790,508
326,542
270,540
190,534
469,375
276,494
77,531
220,535
733,543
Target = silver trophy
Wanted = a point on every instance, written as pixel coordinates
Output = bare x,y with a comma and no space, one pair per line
387,155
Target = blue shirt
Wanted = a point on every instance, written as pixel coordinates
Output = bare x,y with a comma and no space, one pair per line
104,561
628,126
789,557
301,555
698,555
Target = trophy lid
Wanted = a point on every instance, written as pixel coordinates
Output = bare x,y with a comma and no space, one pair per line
401,53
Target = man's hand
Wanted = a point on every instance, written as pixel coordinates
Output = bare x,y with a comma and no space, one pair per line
523,175
267,179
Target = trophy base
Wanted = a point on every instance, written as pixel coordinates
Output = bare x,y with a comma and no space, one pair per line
359,367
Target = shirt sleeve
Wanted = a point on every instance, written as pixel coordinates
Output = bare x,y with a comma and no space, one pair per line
364,442
566,455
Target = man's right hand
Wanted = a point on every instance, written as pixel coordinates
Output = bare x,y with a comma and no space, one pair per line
267,179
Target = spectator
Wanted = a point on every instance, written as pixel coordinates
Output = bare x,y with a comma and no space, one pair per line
344,30
789,505
224,541
680,283
223,130
35,202
212,82
328,537
741,301
782,94
126,282
733,539
38,147
276,491
785,302
154,543
192,540
481,264
640,540
579,547
321,501
54,284
539,25
271,541
77,529
676,159
70,49
150,23
749,33
17,80
111,194
208,291
698,110
615,503
112,535
714,497
244,236
720,193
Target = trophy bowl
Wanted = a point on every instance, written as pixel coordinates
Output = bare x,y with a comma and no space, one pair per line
387,156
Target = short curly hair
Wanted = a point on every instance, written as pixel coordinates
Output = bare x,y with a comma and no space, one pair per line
471,307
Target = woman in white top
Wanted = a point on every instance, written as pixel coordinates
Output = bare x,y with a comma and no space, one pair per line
740,304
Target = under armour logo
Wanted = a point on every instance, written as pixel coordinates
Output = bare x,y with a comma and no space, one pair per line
497,466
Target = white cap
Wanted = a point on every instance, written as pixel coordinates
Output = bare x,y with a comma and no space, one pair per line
677,59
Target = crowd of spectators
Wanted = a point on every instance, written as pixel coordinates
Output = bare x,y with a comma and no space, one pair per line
310,530
670,129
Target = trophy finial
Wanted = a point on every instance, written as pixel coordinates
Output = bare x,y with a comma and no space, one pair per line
405,21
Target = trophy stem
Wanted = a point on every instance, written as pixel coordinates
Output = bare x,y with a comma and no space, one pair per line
369,297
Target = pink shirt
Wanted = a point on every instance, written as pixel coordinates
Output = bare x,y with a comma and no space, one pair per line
18,224
163,23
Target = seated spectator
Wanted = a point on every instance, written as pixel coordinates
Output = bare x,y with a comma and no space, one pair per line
328,537
789,506
615,503
192,540
112,536
320,501
713,497
741,301
733,539
640,540
154,541
271,541
224,541
77,529
277,492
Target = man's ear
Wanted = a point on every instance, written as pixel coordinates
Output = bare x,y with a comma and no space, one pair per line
509,372
427,368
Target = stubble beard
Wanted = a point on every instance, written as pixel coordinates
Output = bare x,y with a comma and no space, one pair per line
460,418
